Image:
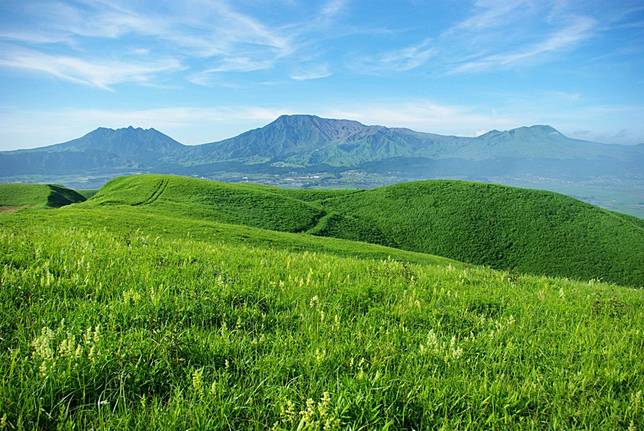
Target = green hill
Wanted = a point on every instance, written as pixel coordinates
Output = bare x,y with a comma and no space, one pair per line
127,318
503,227
272,208
166,303
14,196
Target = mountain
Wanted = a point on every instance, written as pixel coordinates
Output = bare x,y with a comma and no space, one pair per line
306,150
143,145
100,150
311,140
304,140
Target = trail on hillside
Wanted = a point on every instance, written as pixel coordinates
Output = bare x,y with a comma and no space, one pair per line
155,194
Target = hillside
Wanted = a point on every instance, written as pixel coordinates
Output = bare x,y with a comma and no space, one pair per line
502,227
37,196
115,318
246,204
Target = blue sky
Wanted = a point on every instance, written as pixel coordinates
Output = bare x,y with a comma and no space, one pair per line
208,69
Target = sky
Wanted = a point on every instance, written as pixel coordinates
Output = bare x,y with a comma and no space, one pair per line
205,70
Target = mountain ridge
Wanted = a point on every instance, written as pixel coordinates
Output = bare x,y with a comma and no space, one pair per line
308,150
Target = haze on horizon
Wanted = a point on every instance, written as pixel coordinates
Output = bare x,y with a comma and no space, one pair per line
205,70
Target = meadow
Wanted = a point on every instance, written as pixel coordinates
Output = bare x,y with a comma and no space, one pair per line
507,228
127,317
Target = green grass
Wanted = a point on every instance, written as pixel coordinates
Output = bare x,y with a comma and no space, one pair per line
87,193
108,329
503,227
37,196
122,221
145,308
245,204
528,231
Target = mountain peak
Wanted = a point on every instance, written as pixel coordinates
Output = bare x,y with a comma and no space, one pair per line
544,128
538,130
123,130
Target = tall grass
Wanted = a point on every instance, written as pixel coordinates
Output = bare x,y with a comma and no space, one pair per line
110,329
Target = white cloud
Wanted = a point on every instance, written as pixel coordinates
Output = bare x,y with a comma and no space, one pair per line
313,72
98,73
332,8
212,31
400,60
490,14
578,30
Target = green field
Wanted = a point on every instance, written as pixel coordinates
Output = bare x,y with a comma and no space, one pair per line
527,231
172,303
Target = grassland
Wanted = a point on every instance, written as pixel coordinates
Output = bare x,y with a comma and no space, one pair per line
507,228
122,315
528,231
129,330
14,196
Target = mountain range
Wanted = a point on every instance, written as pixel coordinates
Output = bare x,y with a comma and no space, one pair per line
307,150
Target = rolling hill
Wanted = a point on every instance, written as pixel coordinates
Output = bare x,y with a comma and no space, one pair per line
13,196
128,311
503,227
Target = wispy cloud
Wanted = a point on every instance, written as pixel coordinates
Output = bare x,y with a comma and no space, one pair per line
489,14
400,60
579,29
495,35
211,37
332,7
99,73
318,71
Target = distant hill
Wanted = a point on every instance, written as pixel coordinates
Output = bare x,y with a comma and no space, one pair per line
14,196
306,150
502,227
311,140
102,150
305,140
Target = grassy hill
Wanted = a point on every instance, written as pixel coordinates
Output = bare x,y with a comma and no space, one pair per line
166,303
124,318
229,203
126,221
37,196
503,227
288,210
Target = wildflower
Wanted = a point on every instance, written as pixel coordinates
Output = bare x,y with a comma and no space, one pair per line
307,414
197,382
